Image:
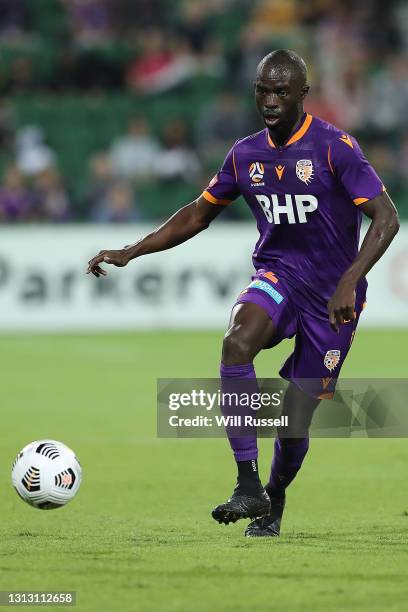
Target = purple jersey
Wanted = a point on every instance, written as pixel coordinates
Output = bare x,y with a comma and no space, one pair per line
304,197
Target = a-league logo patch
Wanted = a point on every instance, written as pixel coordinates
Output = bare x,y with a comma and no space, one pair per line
331,359
304,170
256,172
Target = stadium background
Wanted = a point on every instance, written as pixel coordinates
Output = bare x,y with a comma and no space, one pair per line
112,115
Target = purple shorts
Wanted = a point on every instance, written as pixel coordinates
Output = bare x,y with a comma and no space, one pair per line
319,353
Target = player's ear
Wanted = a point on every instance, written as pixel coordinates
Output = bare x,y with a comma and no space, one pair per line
305,91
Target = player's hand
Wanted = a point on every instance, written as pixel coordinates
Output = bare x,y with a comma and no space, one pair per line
116,258
341,306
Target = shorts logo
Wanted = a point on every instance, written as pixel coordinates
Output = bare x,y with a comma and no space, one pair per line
326,382
304,170
264,286
271,276
331,359
256,173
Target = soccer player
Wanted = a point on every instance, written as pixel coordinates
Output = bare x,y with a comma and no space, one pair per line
307,184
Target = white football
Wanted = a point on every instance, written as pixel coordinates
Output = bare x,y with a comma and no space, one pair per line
46,474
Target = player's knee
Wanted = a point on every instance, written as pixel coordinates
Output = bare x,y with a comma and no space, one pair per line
236,348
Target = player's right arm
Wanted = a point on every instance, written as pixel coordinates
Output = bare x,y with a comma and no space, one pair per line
183,225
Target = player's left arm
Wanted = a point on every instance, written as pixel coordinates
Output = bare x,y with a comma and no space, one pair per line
383,227
359,178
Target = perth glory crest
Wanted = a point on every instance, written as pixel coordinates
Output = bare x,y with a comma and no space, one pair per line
304,170
331,359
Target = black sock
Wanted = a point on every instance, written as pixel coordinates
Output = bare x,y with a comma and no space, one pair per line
248,477
275,493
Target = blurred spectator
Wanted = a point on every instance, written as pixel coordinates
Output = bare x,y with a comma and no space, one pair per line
161,65
177,160
100,180
195,25
196,30
133,155
385,163
403,160
52,200
92,69
253,45
347,96
358,73
388,97
16,201
33,155
212,62
21,76
389,38
89,64
340,43
222,122
310,13
7,125
316,104
135,15
91,21
118,205
13,18
67,78
276,16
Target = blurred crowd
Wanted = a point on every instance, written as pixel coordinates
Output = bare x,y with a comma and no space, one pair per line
152,50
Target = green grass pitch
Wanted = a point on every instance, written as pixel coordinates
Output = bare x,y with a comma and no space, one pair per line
139,535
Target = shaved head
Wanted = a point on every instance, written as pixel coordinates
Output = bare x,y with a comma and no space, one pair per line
284,64
280,88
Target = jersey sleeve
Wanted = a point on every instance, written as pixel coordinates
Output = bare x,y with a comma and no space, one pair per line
348,164
223,188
